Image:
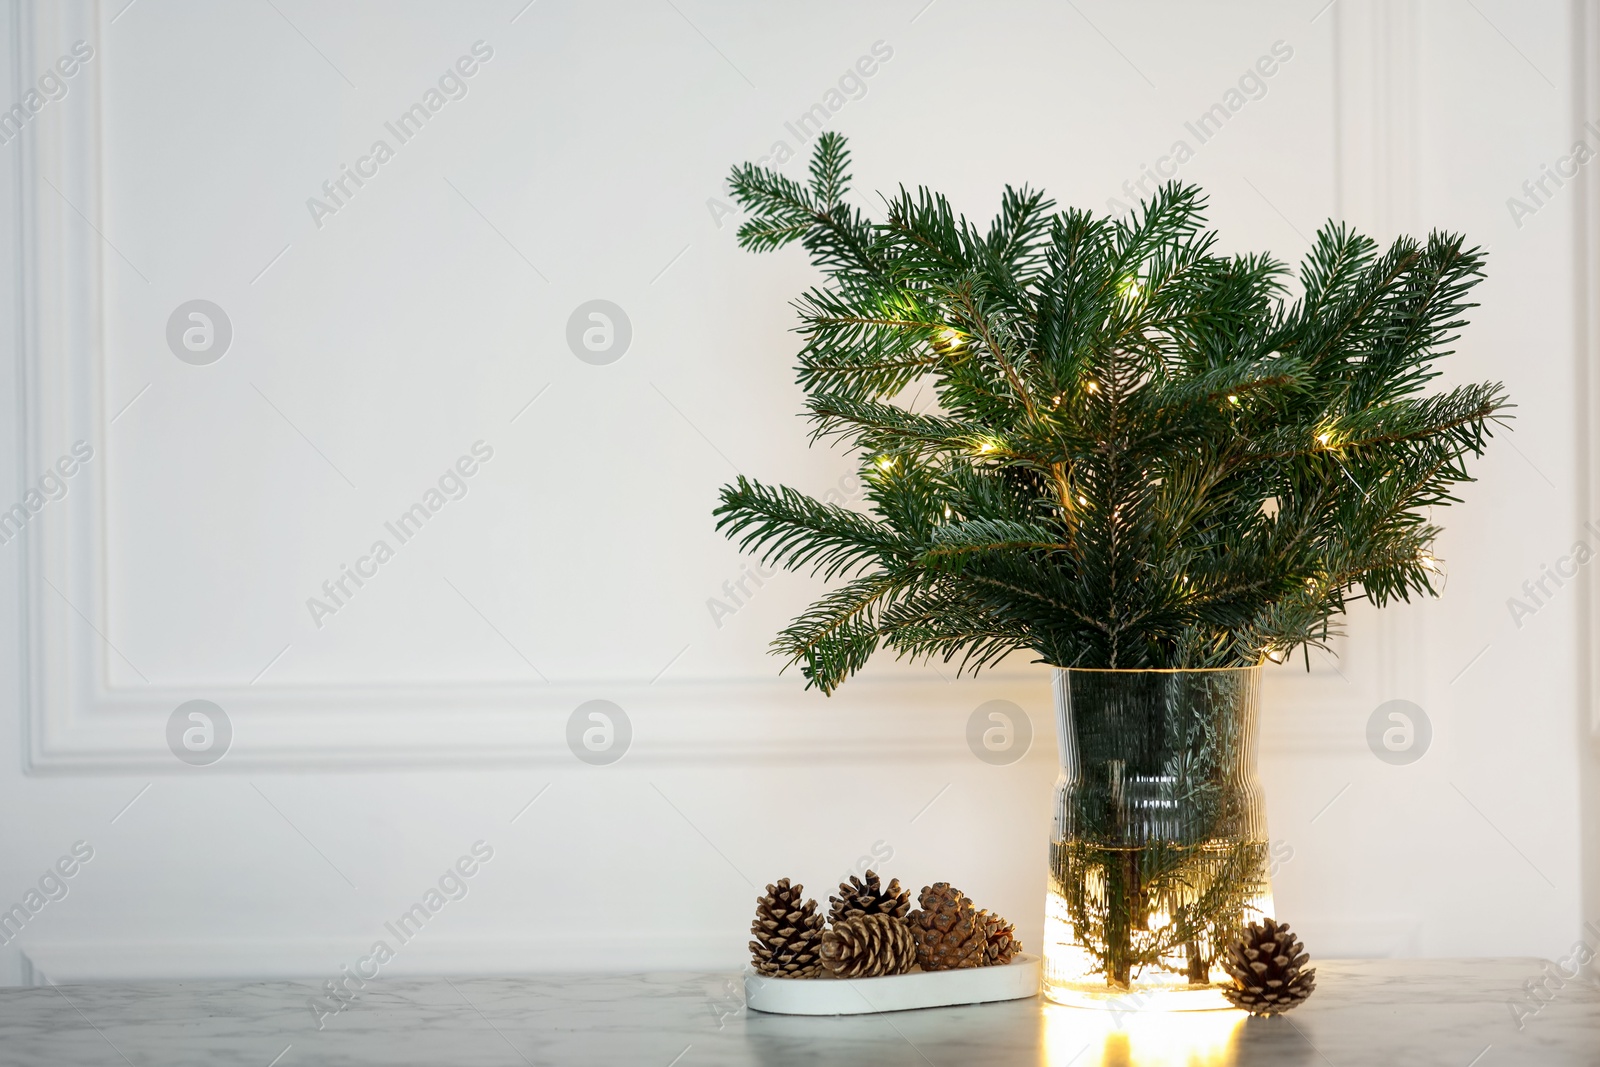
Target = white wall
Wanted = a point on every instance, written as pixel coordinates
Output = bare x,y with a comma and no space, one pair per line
586,161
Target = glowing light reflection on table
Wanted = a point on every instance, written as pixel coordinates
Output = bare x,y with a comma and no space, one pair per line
1075,1037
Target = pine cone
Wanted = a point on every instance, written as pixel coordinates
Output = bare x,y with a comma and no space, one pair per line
788,933
1266,964
857,897
1000,942
946,930
867,946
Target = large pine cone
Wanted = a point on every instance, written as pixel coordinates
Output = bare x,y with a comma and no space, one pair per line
946,930
1268,966
1000,944
867,946
787,932
857,897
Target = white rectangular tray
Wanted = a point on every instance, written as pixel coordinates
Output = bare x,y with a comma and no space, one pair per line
900,992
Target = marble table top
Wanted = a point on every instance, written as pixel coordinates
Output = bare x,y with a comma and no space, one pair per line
1452,1013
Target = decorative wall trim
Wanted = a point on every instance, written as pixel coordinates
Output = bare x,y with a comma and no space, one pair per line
59,305
1377,189
58,302
1376,184
1586,275
1585,56
75,721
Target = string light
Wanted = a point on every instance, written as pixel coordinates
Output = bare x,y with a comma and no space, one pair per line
885,463
1092,386
1233,399
948,341
1277,655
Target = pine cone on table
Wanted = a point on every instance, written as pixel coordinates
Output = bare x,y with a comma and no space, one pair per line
787,932
867,946
1268,968
946,930
1000,944
869,897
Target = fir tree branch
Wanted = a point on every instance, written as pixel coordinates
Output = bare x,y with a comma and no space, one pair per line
1114,402
792,530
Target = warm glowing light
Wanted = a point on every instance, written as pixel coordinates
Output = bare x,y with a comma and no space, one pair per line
1232,399
885,463
1073,976
1092,386
1130,288
988,446
1082,499
1324,437
1429,563
1145,1038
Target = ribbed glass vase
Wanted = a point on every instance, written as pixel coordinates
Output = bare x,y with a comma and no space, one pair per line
1158,855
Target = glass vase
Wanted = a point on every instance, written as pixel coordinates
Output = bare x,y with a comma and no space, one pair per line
1158,854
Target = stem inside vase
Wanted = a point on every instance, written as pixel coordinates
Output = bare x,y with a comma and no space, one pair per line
1160,853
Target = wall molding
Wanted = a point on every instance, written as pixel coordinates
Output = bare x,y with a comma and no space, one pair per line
59,305
1377,182
1377,189
1585,103
76,721
1586,274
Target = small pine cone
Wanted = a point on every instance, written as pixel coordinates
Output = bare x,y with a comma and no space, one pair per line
946,930
857,897
867,946
787,932
1268,967
1000,942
